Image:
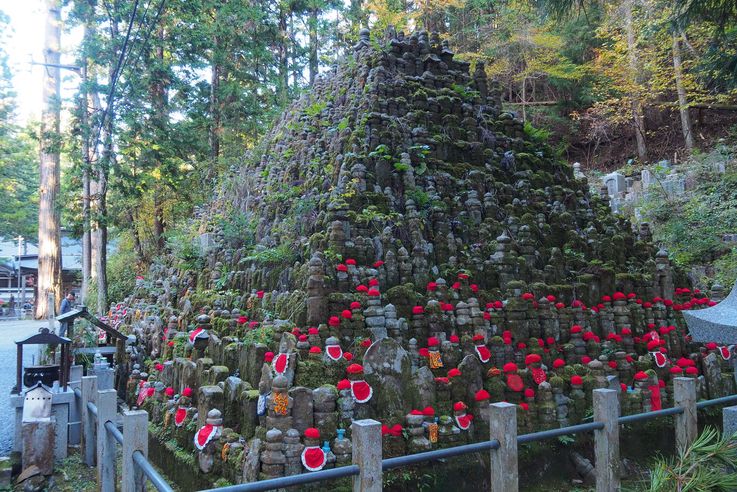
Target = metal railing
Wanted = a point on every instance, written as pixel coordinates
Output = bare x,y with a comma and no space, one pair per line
504,440
368,465
136,467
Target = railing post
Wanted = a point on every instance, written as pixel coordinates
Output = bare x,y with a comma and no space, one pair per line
107,409
503,428
89,395
684,391
75,413
729,421
135,438
606,440
366,435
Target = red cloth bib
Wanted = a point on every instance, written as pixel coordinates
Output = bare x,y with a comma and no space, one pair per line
206,434
313,458
361,391
660,359
726,352
483,352
538,375
180,416
655,397
464,421
194,334
280,363
334,352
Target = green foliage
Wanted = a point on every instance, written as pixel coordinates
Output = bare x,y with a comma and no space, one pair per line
464,92
181,242
539,135
708,464
691,225
121,270
314,109
283,254
18,158
237,228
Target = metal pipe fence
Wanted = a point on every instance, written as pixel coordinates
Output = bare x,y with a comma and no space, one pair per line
134,441
368,465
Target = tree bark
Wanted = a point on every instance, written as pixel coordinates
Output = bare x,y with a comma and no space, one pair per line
682,96
102,180
159,118
86,104
214,136
49,229
86,163
283,58
313,44
638,118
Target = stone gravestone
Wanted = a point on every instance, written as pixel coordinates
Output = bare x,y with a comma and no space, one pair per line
647,179
302,411
38,431
615,184
387,367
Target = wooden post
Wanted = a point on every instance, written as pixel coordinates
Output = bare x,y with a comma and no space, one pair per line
503,428
89,395
366,435
684,396
135,438
107,410
606,440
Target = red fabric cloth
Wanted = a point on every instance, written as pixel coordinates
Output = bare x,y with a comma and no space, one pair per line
483,352
280,363
180,416
334,351
313,458
464,421
655,397
361,391
194,334
514,382
538,375
660,359
206,434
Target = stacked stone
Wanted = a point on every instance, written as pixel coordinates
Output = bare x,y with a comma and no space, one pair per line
374,318
273,460
292,453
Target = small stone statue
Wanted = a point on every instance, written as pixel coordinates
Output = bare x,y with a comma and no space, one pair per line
205,438
313,456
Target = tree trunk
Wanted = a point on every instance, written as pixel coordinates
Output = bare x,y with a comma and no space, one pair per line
638,118
283,59
86,163
313,44
137,247
682,96
158,106
102,179
49,230
86,103
524,99
214,136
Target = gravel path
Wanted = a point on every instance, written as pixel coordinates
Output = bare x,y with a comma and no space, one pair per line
10,331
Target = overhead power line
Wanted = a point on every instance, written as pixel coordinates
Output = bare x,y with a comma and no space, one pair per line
114,78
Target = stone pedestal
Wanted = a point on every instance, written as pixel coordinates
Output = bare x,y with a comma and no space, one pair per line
38,445
61,403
